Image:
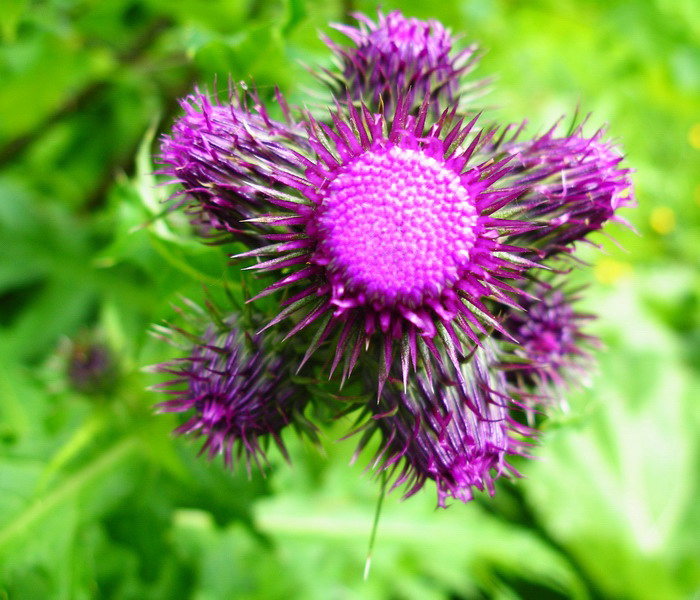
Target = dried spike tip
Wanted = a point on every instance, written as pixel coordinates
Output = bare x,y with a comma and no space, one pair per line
221,154
550,339
578,185
399,56
459,436
396,236
238,393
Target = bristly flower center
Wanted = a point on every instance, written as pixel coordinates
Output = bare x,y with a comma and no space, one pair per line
410,38
397,225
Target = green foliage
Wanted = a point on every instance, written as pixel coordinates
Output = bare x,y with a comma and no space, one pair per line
98,500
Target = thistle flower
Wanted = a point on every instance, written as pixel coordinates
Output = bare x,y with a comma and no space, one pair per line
391,224
394,230
402,226
578,185
215,147
460,436
400,57
91,368
549,335
238,394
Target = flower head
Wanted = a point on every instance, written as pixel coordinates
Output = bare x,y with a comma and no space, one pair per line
218,153
395,232
581,185
399,56
549,337
460,436
92,368
238,395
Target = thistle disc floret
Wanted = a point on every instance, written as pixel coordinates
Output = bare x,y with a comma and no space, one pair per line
234,390
397,225
551,338
400,56
396,236
409,38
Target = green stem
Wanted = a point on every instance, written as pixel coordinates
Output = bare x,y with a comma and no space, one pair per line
81,438
375,526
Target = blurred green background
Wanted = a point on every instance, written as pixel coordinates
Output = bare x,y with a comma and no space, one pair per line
97,500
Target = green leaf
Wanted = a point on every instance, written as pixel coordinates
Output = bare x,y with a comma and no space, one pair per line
623,482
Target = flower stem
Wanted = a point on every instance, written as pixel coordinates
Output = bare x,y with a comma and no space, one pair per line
375,526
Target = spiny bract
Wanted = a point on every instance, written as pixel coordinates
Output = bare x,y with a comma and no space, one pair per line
400,242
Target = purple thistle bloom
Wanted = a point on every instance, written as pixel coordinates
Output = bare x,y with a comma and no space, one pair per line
550,339
238,394
388,225
91,367
460,436
399,56
215,147
578,186
394,230
402,226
